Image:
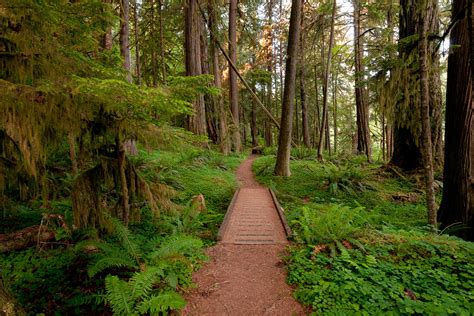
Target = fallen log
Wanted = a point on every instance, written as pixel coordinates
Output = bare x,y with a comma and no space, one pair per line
25,238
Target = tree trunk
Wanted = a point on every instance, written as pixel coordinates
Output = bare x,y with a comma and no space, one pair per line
297,124
324,124
196,123
161,42
224,141
269,60
334,113
106,38
125,37
302,74
253,123
362,106
425,116
123,180
137,46
407,134
153,51
457,204
282,166
234,97
208,100
317,116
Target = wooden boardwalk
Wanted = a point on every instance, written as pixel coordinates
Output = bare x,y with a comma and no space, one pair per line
253,219
245,274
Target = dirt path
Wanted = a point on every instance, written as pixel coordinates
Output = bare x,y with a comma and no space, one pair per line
245,275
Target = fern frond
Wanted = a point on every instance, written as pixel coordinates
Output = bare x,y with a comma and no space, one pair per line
118,295
161,303
106,262
177,245
142,283
124,235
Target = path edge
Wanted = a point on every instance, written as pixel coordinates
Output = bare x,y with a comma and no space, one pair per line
281,214
227,216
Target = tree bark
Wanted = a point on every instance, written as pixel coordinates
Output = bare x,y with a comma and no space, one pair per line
282,166
123,181
302,74
334,113
137,46
362,105
153,51
269,60
125,37
324,124
425,116
253,123
457,204
407,134
224,141
162,42
208,100
233,87
195,123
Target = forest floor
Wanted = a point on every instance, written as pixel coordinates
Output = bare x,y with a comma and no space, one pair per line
246,274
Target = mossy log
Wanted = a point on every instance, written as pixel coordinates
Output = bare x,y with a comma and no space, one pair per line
25,238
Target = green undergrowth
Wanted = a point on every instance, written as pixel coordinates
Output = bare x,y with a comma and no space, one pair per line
362,245
137,270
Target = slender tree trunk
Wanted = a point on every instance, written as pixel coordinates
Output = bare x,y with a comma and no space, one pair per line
253,123
137,43
282,166
302,74
334,113
297,124
72,153
425,116
384,138
196,123
106,38
153,50
224,140
281,53
326,83
457,204
208,100
162,41
362,105
123,180
317,119
269,57
234,97
125,37
304,106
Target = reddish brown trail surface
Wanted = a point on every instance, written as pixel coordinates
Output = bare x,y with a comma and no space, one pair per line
245,274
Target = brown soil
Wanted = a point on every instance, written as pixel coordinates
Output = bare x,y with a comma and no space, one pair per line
247,278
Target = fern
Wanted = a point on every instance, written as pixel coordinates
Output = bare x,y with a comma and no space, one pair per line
141,283
118,295
161,303
177,246
124,235
110,256
107,262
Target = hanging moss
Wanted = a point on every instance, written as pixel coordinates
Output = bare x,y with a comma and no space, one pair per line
96,195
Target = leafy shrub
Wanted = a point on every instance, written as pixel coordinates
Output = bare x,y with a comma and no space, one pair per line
301,153
327,224
413,274
348,178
